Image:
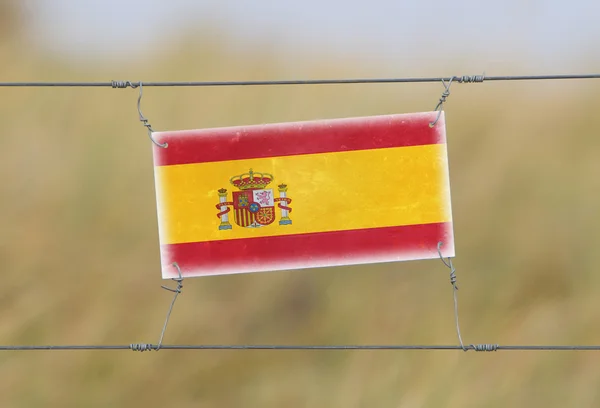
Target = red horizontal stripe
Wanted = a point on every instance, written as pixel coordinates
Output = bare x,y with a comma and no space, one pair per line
308,250
286,139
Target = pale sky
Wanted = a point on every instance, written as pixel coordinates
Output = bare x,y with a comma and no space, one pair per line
551,36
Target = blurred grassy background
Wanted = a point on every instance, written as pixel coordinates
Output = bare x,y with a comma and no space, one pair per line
79,246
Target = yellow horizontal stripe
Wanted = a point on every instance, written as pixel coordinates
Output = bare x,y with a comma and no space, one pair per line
329,192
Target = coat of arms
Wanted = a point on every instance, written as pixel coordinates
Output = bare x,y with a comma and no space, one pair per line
254,203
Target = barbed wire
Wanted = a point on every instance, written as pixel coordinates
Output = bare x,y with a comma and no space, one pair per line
459,79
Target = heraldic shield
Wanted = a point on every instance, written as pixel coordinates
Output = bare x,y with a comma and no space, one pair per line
254,205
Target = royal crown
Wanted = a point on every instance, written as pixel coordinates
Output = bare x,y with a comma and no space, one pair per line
251,179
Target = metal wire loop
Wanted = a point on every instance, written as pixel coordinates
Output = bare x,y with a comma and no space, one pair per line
443,98
177,291
145,121
454,291
147,347
449,266
179,280
465,79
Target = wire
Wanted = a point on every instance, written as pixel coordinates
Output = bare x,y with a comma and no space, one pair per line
461,79
149,347
177,291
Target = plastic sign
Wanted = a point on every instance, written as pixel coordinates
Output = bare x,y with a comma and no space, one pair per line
303,195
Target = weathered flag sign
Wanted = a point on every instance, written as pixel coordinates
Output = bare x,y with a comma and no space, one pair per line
300,195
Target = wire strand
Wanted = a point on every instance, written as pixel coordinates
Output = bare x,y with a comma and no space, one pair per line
176,292
146,347
460,79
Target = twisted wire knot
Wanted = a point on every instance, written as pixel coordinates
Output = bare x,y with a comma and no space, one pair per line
453,276
147,125
467,79
450,266
141,115
444,96
484,347
123,84
141,347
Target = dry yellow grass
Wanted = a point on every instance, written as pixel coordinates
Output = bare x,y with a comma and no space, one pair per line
79,250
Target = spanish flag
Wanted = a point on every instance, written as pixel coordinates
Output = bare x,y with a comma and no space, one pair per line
301,195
